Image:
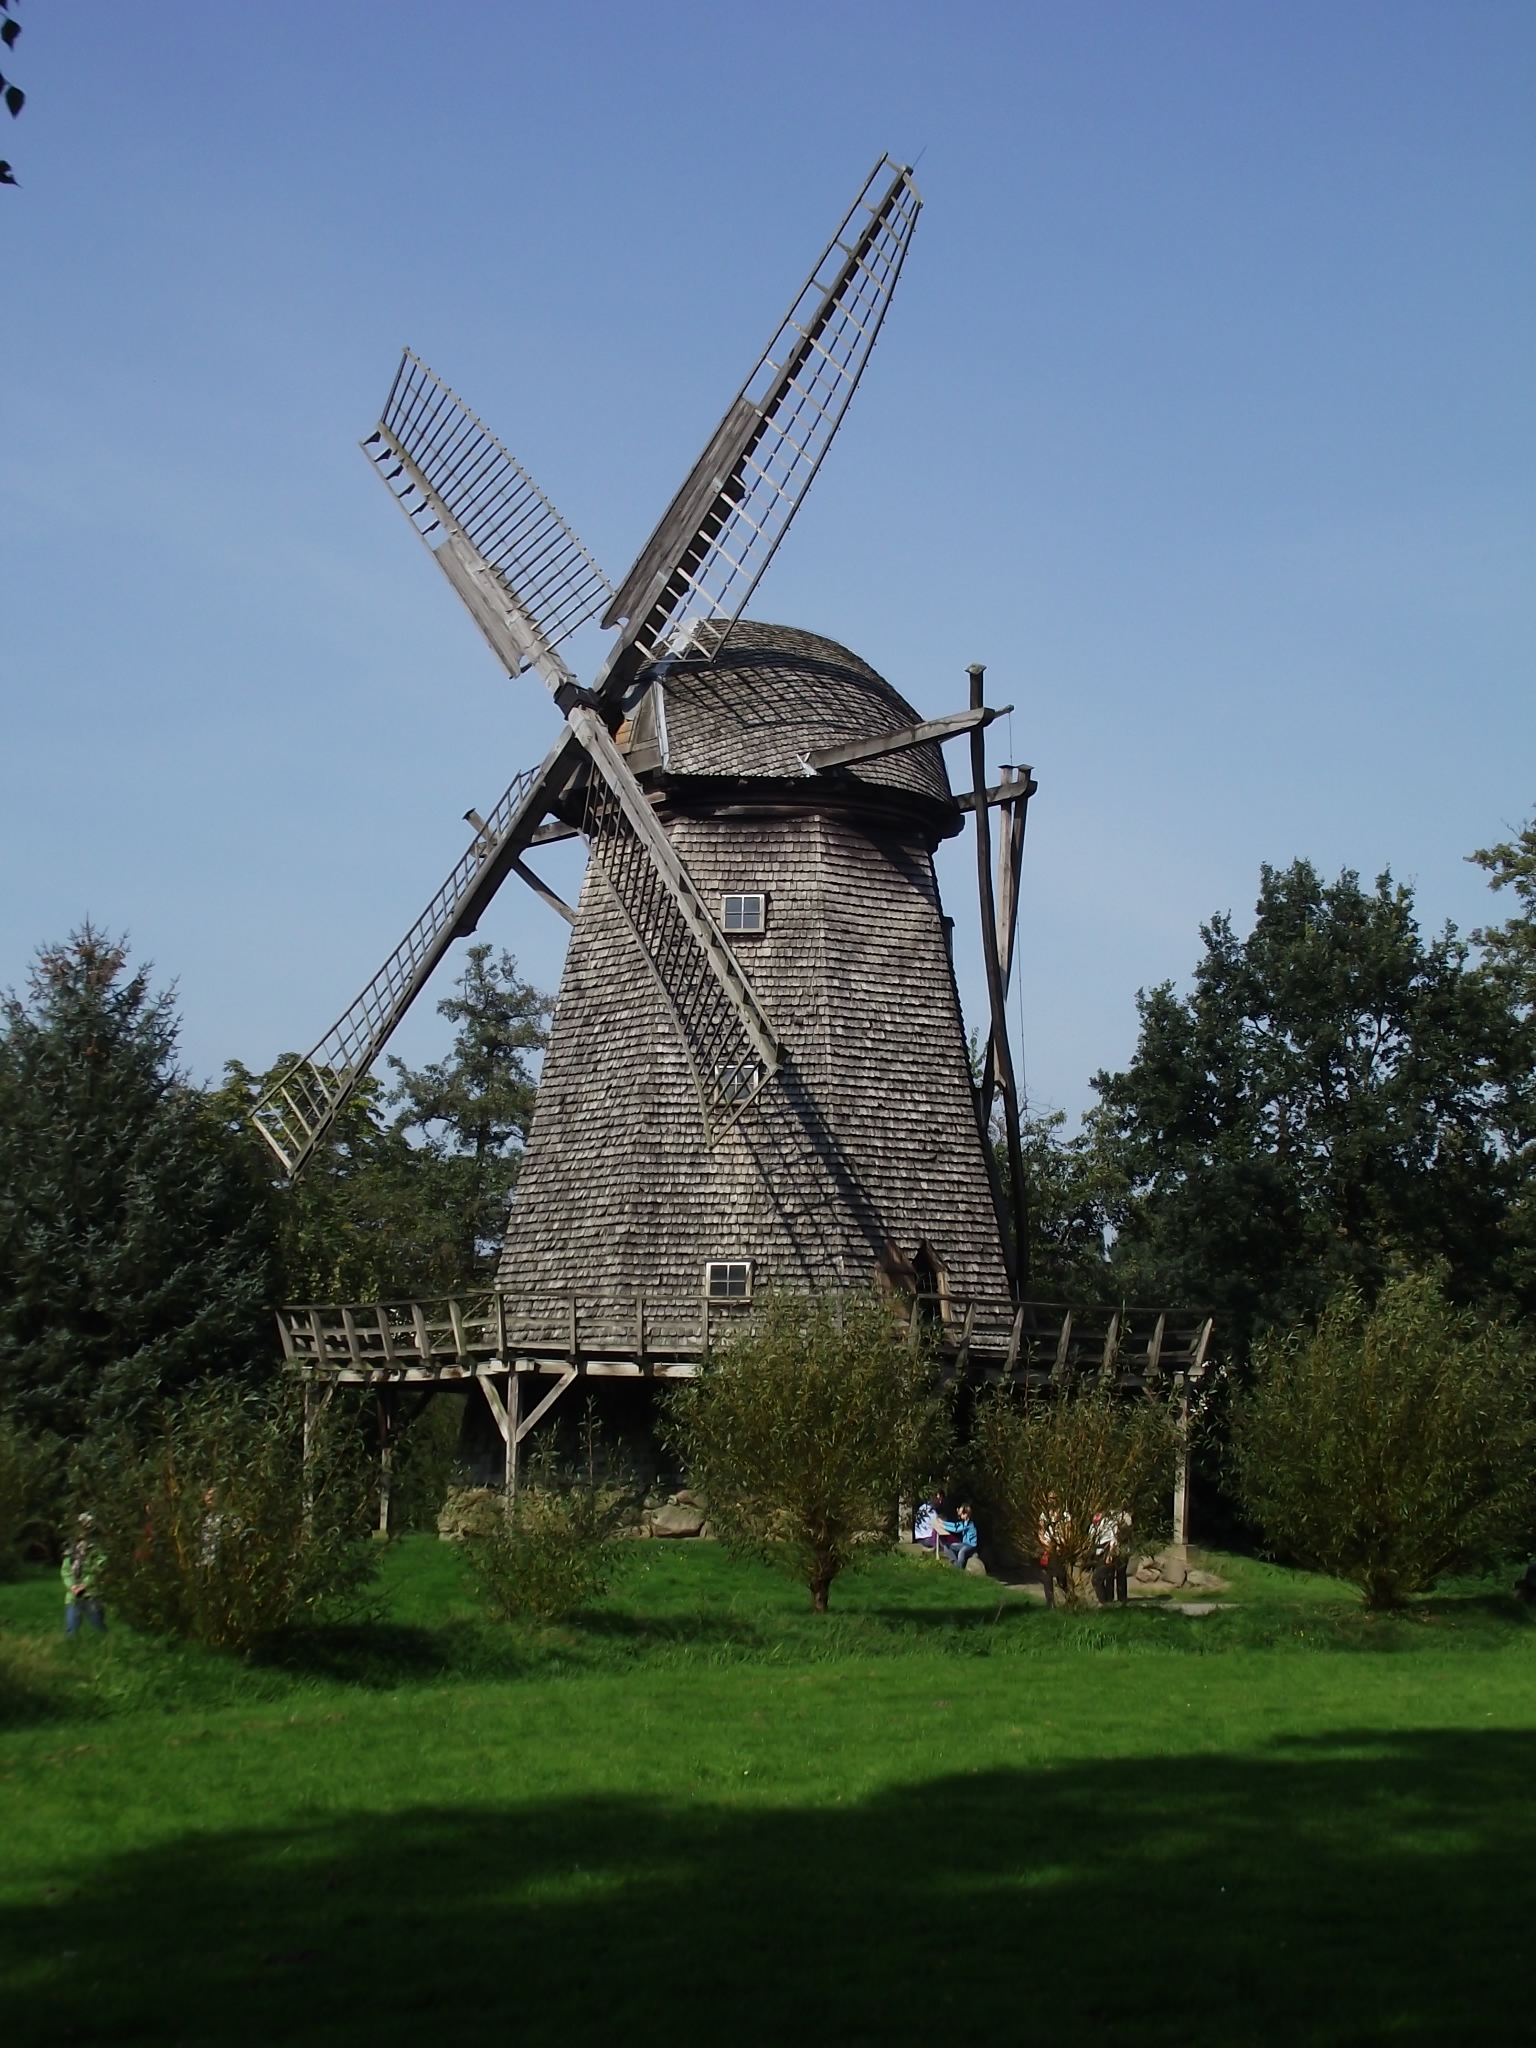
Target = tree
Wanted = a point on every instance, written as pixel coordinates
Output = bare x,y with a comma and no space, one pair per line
1077,1454
135,1242
1390,1446
806,1429
474,1109
1072,1193
228,1521
378,1216
1326,1103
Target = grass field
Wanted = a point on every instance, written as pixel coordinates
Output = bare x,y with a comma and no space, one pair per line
701,1816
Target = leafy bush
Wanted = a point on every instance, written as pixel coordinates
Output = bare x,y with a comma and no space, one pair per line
1392,1445
557,1548
1053,1464
804,1432
215,1528
31,1495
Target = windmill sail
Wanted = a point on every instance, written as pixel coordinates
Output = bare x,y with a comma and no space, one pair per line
526,578
718,535
295,1113
732,1047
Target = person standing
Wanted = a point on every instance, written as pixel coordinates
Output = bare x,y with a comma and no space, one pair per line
81,1573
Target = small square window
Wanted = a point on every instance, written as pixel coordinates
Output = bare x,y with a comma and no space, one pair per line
738,1082
728,1279
748,913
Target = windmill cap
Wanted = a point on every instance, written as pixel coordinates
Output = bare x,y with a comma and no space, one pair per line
771,696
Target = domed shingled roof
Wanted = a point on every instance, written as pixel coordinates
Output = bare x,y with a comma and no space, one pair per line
771,695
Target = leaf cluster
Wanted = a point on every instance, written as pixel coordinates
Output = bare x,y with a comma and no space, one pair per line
1392,1445
806,1430
217,1528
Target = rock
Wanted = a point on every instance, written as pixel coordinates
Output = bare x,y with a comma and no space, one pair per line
470,1511
685,1499
974,1564
675,1519
1207,1582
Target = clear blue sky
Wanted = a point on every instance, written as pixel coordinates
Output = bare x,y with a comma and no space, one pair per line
1203,416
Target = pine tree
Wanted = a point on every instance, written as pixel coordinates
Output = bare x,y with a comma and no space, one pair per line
135,1241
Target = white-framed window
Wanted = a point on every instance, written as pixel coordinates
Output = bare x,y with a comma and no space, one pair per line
747,912
740,1081
728,1280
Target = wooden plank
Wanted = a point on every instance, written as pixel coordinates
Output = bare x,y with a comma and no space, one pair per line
903,737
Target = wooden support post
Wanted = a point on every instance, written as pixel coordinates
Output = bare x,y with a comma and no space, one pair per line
1015,1338
384,1410
1016,1224
514,1438
1181,1472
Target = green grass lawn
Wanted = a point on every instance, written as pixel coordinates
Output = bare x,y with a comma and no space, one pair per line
701,1815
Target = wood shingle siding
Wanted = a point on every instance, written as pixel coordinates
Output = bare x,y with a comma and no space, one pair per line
868,1133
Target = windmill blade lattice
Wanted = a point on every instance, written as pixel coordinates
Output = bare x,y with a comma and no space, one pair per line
300,1107
719,534
731,1045
515,557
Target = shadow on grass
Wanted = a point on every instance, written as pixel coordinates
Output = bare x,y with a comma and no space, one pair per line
1346,1890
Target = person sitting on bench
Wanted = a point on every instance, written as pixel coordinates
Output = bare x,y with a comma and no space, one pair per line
958,1539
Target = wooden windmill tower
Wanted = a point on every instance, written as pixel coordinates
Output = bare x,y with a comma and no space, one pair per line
757,1074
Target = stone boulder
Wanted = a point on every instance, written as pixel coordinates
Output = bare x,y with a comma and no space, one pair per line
470,1511
675,1518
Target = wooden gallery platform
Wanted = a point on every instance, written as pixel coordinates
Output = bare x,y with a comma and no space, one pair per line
524,1351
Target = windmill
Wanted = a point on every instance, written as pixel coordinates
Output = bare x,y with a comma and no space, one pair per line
757,1072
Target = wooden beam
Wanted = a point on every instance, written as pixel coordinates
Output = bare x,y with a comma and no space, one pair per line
1016,1225
903,737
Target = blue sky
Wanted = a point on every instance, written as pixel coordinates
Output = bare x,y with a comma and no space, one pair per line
1203,416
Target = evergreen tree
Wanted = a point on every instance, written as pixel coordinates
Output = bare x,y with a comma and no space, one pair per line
134,1239
474,1109
415,1205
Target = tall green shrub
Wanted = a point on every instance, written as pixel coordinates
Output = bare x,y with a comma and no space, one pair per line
805,1431
1392,1445
1058,1461
213,1524
556,1549
31,1496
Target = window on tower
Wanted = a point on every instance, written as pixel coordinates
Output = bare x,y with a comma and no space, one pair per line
728,1280
745,913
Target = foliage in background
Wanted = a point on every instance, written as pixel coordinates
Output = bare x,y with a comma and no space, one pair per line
807,1428
134,1238
413,1204
215,1528
31,1496
1393,1445
424,1452
1509,951
559,1545
1333,1095
1066,1457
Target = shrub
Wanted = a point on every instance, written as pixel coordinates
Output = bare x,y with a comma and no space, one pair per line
216,1528
1061,1460
1390,1446
31,1496
804,1432
556,1549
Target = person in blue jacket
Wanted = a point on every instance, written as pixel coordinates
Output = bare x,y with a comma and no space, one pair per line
957,1540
